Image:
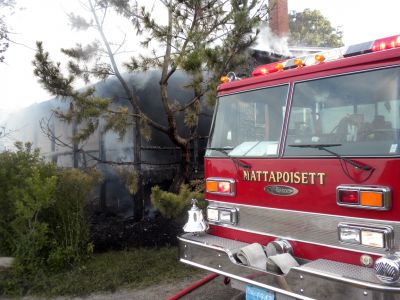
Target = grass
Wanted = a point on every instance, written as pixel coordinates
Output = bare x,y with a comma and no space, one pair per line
108,271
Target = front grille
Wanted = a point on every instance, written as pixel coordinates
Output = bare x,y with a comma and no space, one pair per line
314,228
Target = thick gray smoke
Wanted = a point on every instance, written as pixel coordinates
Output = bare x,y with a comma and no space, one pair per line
268,41
159,154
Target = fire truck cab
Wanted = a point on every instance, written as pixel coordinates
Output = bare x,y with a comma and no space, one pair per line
302,178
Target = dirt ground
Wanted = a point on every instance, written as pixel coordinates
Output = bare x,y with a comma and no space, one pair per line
215,289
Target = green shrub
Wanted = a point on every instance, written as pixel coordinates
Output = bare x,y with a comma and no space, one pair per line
70,229
27,187
129,177
175,206
42,220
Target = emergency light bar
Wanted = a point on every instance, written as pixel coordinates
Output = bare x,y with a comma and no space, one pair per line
386,43
329,55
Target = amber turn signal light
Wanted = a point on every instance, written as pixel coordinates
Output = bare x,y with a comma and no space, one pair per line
224,79
367,197
220,186
373,199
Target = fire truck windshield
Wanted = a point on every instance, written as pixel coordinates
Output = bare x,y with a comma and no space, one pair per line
249,123
359,111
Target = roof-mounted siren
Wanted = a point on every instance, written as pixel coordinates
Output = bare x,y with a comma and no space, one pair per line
231,76
293,63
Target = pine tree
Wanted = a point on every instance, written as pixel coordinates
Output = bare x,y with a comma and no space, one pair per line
4,28
203,38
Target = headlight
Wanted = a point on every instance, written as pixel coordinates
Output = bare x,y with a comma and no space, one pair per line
222,215
349,235
371,236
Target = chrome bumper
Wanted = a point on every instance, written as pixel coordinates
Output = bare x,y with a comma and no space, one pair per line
319,279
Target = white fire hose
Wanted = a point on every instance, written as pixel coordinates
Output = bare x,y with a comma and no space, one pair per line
253,255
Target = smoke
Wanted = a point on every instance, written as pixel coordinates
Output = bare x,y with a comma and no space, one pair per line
159,155
270,42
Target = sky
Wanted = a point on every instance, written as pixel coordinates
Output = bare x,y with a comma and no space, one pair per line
47,21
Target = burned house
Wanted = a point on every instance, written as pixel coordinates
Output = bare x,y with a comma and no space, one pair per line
160,158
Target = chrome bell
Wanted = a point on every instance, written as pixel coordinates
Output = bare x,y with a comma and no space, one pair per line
196,222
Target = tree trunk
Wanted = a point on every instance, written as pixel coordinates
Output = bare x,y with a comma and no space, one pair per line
138,198
183,174
103,187
75,158
53,142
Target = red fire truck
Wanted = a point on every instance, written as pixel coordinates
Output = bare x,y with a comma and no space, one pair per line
302,178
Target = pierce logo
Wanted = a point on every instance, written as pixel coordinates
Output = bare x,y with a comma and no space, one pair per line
280,190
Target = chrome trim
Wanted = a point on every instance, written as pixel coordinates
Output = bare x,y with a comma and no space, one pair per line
311,280
217,259
386,194
220,179
243,279
233,212
388,268
279,246
387,231
346,279
313,228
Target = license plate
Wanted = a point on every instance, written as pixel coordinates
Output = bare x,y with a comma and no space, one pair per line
256,293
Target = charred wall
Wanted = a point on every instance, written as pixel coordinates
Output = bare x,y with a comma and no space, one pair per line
159,155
